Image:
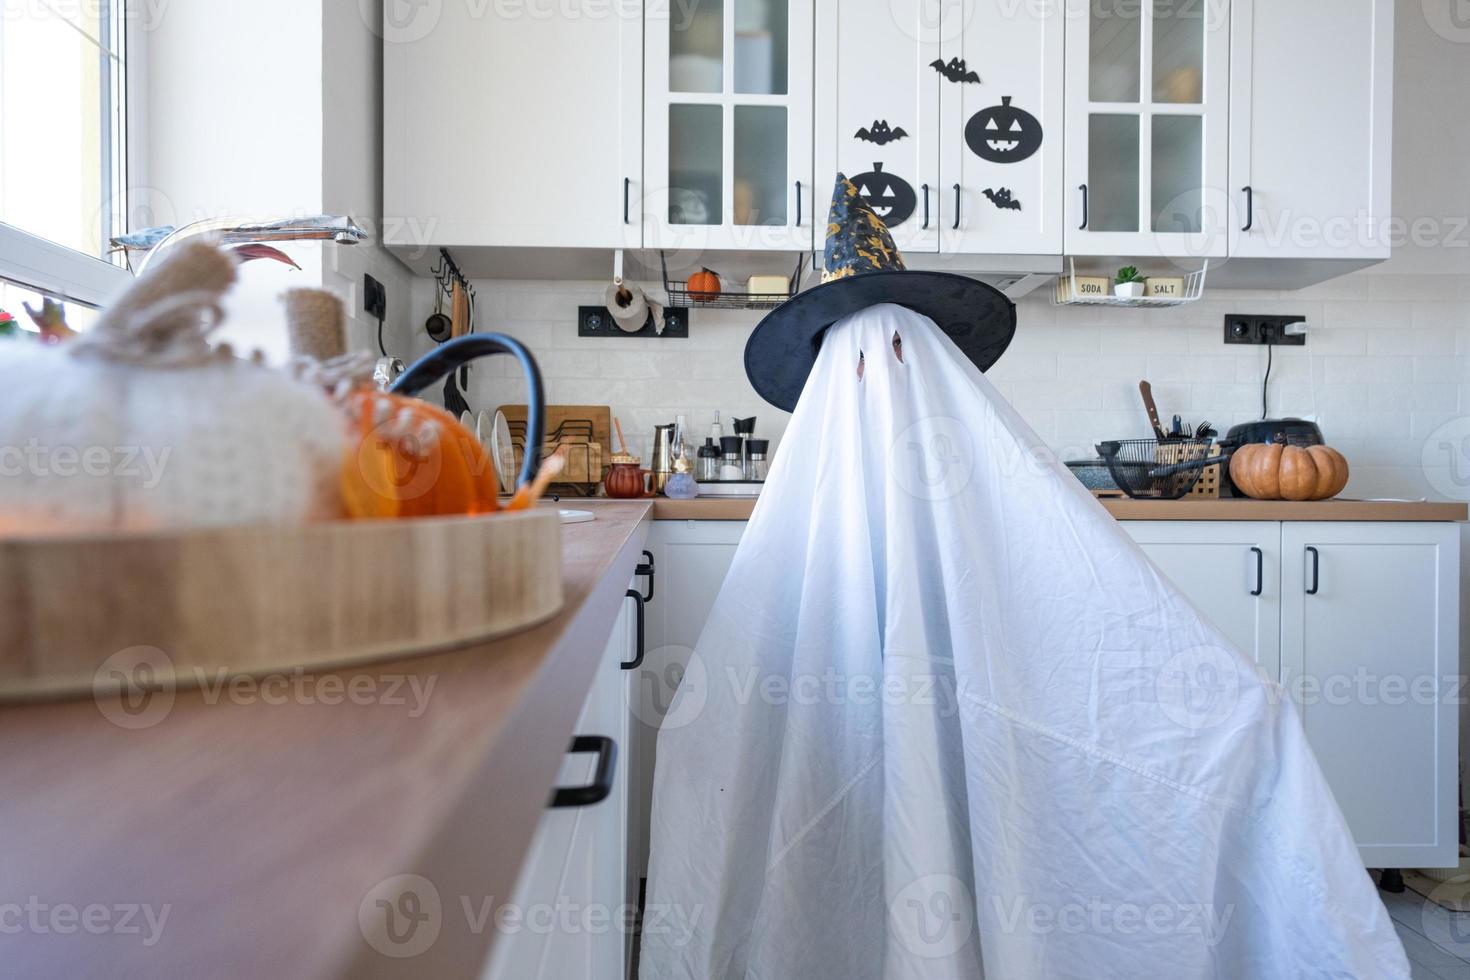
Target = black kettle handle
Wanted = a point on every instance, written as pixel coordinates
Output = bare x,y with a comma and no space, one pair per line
446,358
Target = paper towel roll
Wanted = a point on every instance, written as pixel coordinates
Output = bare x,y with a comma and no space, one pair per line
632,317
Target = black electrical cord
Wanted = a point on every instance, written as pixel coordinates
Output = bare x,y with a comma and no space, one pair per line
381,349
1270,349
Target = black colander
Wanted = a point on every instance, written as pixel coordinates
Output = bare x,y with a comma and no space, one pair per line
1157,469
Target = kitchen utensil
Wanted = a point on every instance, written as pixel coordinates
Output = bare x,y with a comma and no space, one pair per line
732,465
1176,428
1146,390
531,492
438,326
756,467
1151,469
459,311
662,463
503,452
707,462
1205,431
1292,432
586,431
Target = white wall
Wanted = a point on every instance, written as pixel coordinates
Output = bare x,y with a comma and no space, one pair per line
270,108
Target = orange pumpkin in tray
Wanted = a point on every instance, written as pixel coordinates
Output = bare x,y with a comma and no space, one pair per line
410,459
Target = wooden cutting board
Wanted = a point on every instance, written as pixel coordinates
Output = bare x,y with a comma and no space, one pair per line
178,609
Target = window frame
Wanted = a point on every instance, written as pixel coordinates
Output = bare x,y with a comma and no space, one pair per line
33,262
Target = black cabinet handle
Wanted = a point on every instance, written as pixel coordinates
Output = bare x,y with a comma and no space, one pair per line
637,660
1083,189
1316,570
1260,571
926,207
627,183
1250,207
798,203
956,207
646,570
601,787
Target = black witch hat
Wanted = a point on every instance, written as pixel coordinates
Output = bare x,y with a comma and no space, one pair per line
864,268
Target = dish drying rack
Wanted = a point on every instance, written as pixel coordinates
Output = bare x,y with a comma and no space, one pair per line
679,294
1194,288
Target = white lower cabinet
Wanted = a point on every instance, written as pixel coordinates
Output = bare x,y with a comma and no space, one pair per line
1370,652
1359,620
1230,570
571,911
691,558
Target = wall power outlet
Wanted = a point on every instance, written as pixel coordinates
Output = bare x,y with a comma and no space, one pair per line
1256,328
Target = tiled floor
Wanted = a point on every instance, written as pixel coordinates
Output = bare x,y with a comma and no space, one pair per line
1437,941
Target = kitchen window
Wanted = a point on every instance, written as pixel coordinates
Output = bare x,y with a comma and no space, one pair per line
63,147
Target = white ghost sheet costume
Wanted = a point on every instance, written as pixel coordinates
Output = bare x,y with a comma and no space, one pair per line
948,722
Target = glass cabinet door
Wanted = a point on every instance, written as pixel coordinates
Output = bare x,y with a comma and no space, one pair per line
728,97
1147,108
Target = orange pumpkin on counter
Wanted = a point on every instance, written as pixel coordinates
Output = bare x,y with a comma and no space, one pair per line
1271,471
410,459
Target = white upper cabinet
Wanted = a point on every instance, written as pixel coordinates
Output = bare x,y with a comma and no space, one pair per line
513,129
1148,91
1001,149
728,107
1310,132
878,112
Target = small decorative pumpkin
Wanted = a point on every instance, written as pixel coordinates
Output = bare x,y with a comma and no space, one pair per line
1003,133
410,459
891,198
704,286
143,423
1272,471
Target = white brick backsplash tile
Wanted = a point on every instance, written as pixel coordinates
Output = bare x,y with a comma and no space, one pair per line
1130,338
1404,288
1217,400
1032,396
1369,315
1101,367
1419,340
1191,367
1026,367
1386,361
1414,397
1343,370
1447,370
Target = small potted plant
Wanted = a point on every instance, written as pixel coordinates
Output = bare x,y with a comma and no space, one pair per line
1128,282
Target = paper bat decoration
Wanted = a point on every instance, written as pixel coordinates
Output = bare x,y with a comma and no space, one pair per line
1002,199
955,70
880,133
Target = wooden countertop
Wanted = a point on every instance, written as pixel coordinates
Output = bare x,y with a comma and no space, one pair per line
712,509
259,823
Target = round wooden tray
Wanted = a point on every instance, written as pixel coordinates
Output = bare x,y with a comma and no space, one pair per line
200,605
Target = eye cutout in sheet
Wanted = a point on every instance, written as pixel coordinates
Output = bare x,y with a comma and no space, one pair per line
898,346
862,364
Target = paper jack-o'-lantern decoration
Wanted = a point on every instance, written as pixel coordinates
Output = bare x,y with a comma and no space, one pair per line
1003,133
891,198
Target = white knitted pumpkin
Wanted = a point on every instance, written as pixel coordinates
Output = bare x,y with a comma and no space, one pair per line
141,423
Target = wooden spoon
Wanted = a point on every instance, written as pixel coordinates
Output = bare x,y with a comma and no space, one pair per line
622,443
532,492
